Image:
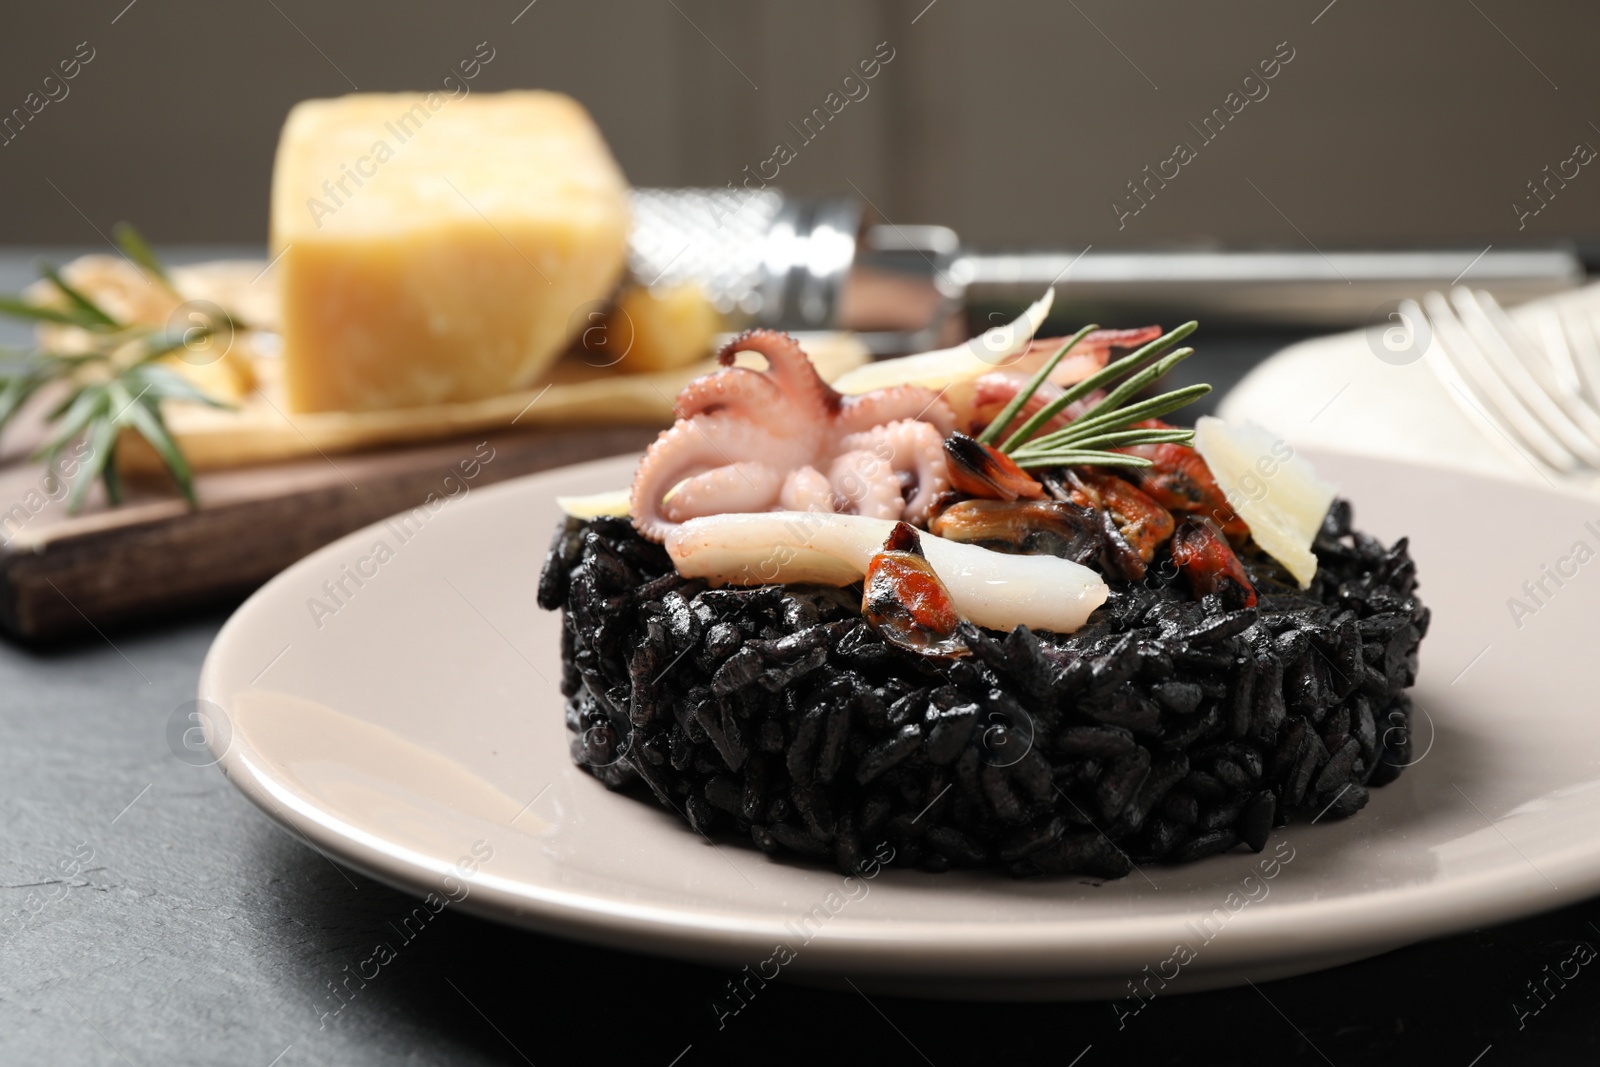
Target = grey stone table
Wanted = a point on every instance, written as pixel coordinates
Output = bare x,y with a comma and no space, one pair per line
150,915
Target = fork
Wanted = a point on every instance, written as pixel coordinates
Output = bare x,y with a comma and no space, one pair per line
1537,400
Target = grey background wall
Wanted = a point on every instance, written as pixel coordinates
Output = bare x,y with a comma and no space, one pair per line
1019,122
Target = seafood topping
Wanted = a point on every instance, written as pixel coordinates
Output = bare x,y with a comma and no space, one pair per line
774,476
1209,565
906,603
1275,491
1135,525
749,440
1039,527
980,470
1179,480
995,590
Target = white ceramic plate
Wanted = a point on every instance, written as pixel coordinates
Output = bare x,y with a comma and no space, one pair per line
398,707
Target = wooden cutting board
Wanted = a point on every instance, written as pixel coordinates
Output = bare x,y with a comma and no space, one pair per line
62,575
274,486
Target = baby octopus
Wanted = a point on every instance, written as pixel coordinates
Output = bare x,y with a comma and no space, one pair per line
748,440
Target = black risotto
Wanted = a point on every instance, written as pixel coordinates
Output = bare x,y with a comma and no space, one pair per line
1165,730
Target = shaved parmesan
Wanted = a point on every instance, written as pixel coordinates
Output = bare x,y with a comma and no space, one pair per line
1276,492
950,366
593,506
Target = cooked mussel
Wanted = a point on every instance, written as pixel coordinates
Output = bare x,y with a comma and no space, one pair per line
905,601
1208,564
1036,527
1179,480
1134,524
980,470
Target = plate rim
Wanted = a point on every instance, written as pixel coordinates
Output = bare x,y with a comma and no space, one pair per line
1370,922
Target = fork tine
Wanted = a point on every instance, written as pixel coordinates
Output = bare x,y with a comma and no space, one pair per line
1580,333
1499,353
1553,335
1546,367
1475,385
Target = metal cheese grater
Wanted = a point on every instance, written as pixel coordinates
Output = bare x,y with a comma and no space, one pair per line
810,264
796,264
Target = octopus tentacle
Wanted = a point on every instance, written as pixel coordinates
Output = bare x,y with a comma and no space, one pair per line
742,486
867,483
692,447
807,489
747,441
912,447
790,368
735,390
866,410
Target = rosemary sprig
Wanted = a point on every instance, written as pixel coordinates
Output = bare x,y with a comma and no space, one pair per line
113,381
997,427
1089,437
134,246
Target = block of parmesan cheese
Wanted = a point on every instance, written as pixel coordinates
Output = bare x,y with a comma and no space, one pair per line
438,249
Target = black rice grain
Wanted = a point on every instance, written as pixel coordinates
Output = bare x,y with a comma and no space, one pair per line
1166,729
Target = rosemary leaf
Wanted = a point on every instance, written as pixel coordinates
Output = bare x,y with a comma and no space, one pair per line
19,385
167,384
995,428
14,394
1126,438
88,405
66,403
1030,460
145,418
1153,408
164,342
88,308
109,475
110,384
1102,377
102,443
1109,408
19,308
134,246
